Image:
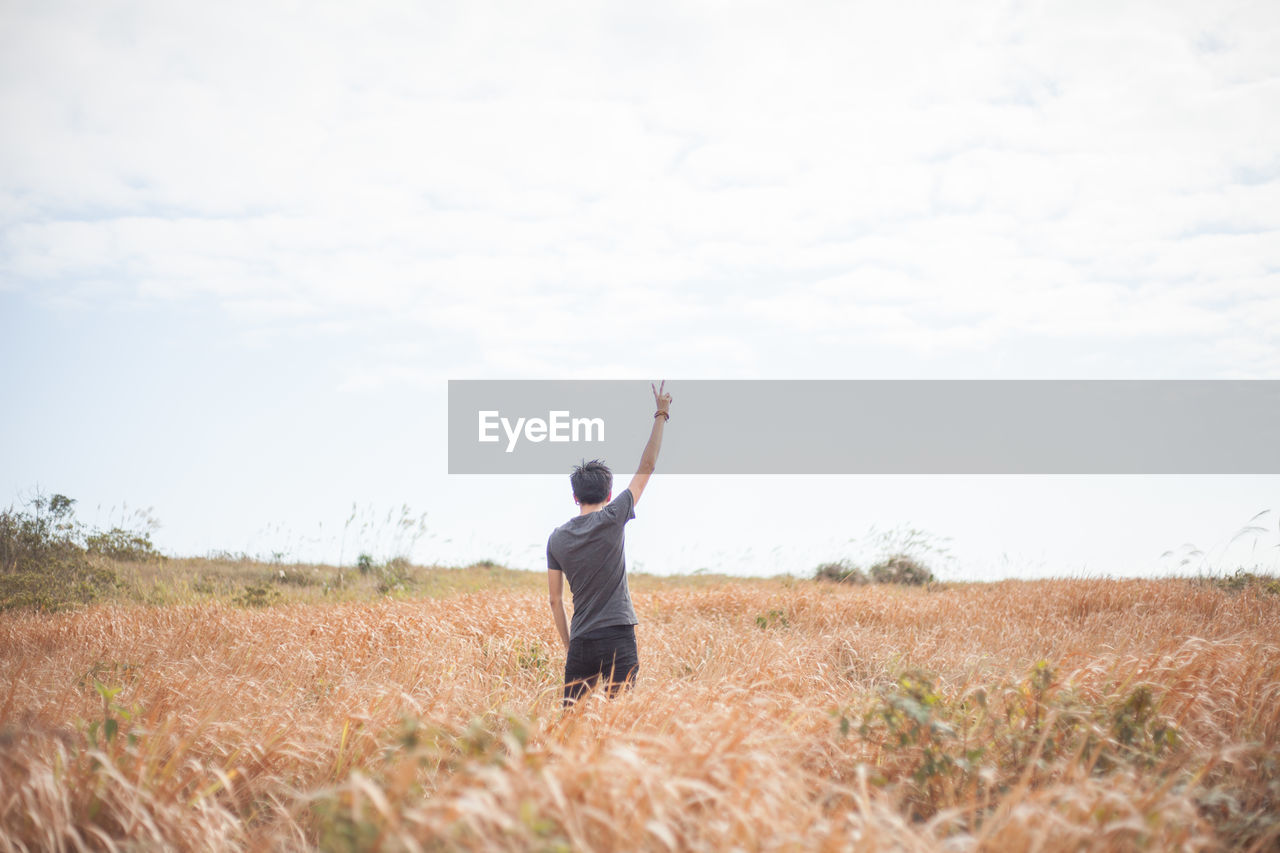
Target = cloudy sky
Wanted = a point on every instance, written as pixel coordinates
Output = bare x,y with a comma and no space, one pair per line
244,245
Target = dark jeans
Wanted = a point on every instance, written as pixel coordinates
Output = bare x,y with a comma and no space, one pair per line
608,653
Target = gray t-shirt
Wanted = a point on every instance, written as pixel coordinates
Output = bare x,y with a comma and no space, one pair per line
588,549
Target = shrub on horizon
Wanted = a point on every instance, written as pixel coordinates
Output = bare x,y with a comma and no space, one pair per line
902,569
120,544
45,562
840,571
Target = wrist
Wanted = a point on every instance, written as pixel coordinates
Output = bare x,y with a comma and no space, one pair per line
662,413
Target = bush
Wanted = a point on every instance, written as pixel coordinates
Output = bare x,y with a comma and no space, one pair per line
71,583
44,562
902,569
395,575
44,536
1244,579
119,544
49,560
841,571
899,569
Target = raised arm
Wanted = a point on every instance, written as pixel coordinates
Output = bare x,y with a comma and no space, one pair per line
649,458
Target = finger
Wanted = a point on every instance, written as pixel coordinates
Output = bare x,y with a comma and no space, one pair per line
663,385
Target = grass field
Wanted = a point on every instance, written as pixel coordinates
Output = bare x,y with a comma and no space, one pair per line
778,714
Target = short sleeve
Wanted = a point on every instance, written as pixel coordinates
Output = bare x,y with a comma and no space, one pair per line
552,563
623,508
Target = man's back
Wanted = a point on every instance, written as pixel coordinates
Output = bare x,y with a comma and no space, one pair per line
589,550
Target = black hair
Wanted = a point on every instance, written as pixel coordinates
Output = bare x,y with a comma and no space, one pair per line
592,482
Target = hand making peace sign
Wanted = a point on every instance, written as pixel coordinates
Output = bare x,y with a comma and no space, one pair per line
662,399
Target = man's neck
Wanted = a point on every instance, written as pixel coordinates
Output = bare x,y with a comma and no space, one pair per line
583,509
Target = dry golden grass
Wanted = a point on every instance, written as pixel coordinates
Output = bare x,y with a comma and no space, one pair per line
768,715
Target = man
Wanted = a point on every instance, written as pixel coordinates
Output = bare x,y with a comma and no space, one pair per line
588,549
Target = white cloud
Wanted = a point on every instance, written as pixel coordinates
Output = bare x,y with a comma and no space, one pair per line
939,180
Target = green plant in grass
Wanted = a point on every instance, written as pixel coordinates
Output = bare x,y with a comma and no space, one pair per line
532,656
772,619
946,748
257,595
